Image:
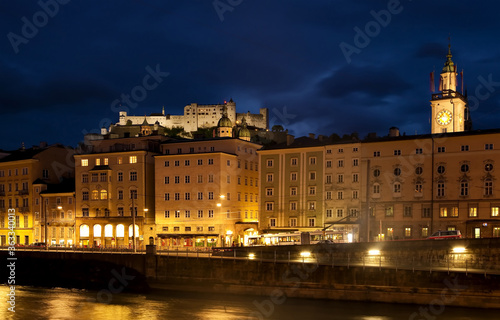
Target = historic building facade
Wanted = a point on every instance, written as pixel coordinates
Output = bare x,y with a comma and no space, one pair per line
388,188
20,170
199,116
56,223
114,181
206,192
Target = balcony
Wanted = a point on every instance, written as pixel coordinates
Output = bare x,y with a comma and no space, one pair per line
447,94
23,192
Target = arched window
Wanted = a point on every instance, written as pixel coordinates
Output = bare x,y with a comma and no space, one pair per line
130,231
104,194
120,231
108,231
84,231
97,230
95,195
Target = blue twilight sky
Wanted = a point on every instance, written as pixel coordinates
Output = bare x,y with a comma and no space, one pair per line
319,66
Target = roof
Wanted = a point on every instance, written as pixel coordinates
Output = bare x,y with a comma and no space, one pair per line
66,186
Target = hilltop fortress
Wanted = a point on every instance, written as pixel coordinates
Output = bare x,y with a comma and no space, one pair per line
199,116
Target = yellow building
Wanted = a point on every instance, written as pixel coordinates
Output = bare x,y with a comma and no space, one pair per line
206,192
421,184
292,186
114,179
18,172
311,185
57,208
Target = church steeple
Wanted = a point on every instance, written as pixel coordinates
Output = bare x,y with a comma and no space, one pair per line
448,80
449,107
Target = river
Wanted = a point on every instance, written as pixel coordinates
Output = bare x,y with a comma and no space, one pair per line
60,303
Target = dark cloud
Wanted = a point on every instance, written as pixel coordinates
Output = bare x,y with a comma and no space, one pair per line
284,56
376,82
431,50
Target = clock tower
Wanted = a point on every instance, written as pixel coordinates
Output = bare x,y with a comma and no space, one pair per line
449,107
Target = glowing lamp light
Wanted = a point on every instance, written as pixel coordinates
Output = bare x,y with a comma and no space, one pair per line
374,252
146,209
59,207
251,256
305,254
458,250
218,204
229,232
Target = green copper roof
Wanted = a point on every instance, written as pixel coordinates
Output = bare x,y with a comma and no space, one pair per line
449,66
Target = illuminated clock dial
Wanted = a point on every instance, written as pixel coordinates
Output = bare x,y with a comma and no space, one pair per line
444,117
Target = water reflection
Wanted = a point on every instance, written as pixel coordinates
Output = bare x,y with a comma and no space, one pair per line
39,303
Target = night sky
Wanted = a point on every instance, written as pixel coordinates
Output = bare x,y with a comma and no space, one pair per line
63,74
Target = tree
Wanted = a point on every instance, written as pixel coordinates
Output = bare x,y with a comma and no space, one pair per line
277,128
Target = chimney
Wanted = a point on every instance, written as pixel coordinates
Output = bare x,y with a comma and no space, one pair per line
393,132
321,137
43,144
311,135
289,139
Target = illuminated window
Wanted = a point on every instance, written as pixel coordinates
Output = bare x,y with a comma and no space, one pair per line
496,232
454,212
97,230
120,231
97,162
95,195
84,231
108,231
390,233
106,161
407,232
473,212
311,205
425,232
133,159
494,211
104,195
443,212
85,162
120,160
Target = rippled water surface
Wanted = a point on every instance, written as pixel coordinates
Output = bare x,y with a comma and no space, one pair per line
58,303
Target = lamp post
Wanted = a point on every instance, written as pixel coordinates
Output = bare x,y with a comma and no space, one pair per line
59,215
132,212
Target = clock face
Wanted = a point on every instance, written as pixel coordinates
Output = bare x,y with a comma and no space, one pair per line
444,117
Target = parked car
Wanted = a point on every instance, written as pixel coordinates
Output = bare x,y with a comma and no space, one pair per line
38,245
448,234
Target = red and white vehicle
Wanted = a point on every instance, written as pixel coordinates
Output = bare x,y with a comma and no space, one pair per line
447,234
